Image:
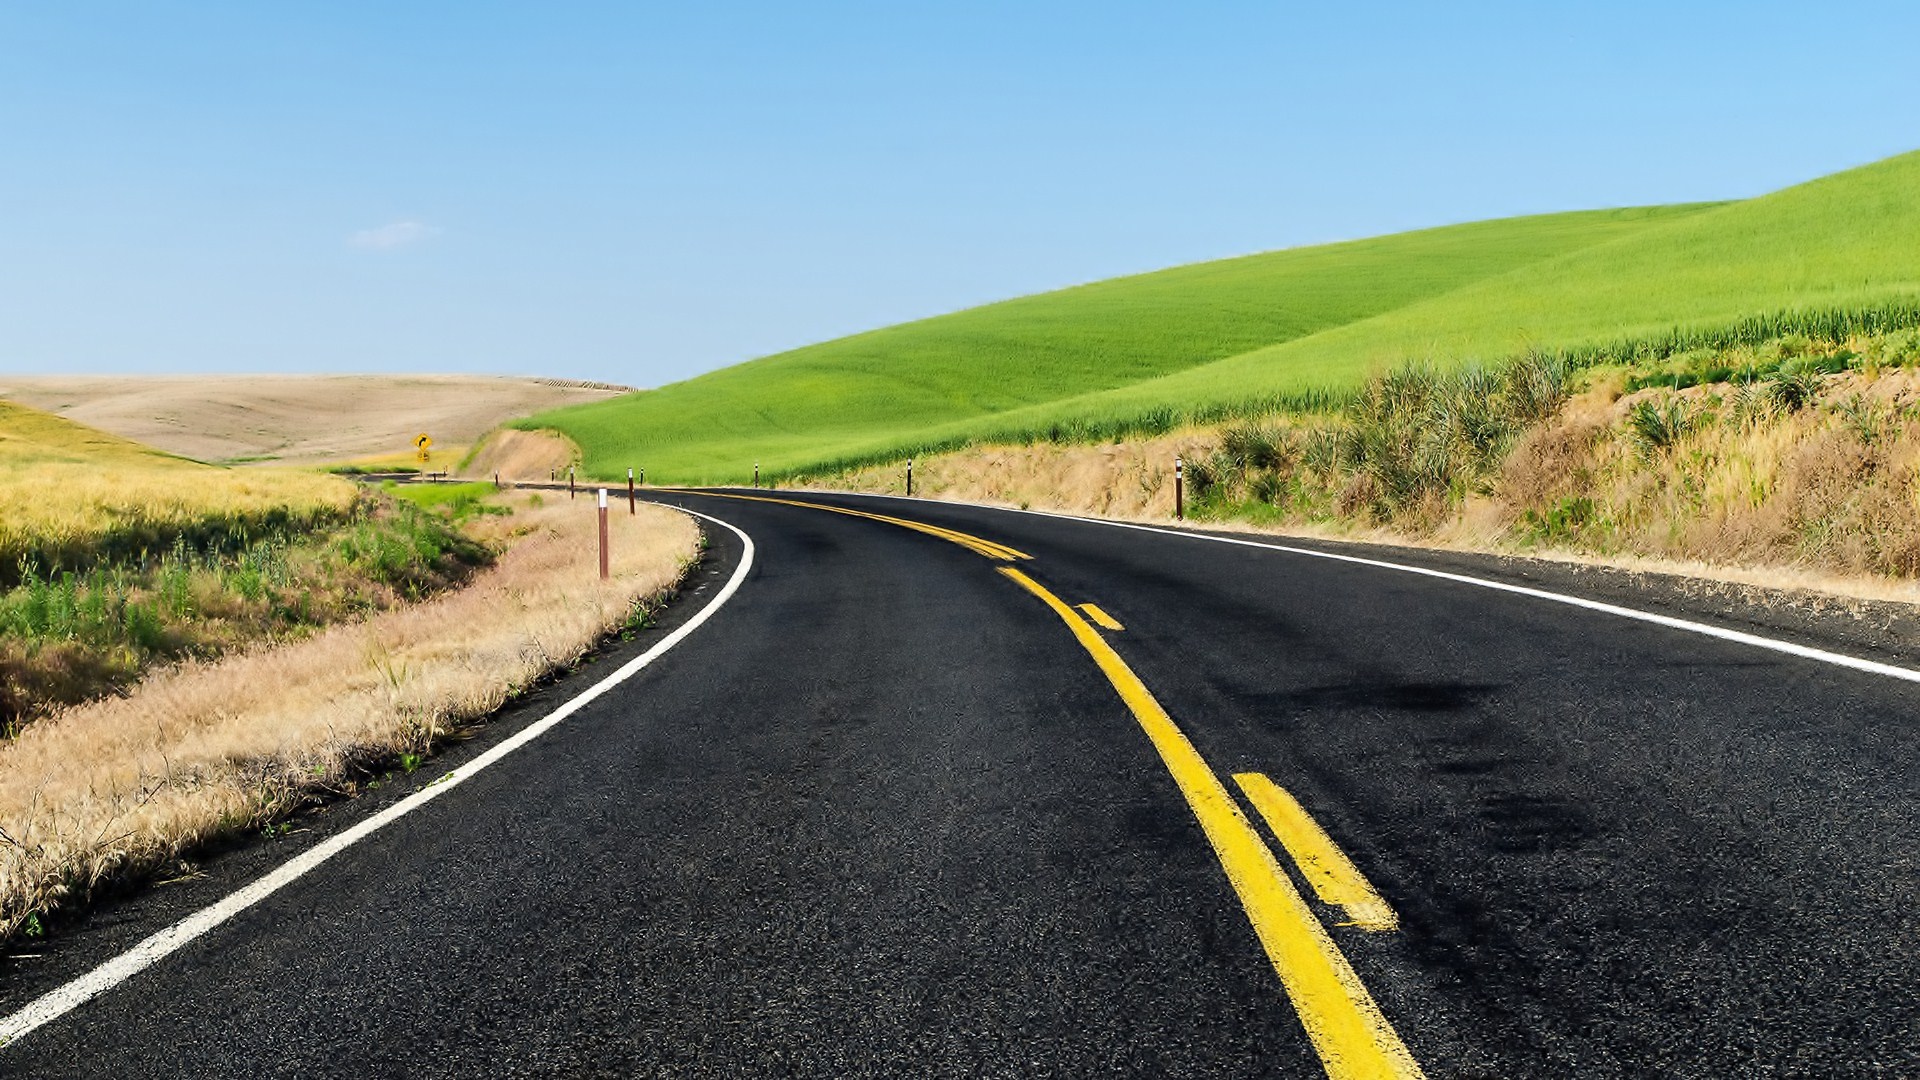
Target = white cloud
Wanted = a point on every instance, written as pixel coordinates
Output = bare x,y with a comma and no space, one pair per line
396,234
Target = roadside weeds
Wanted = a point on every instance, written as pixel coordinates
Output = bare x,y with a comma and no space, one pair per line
1793,463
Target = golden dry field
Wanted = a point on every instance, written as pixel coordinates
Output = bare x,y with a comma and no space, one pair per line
296,419
69,493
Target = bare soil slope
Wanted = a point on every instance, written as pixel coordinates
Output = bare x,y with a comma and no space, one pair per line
512,454
294,419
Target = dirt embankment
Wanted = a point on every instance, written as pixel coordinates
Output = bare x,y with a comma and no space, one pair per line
295,419
511,454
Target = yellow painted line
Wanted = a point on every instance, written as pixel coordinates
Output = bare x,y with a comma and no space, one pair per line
967,540
1354,1040
1101,618
1327,868
1351,1035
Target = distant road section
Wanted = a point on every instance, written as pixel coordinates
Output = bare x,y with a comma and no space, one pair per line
295,419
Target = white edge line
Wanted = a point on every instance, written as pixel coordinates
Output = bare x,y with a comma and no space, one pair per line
63,999
1806,652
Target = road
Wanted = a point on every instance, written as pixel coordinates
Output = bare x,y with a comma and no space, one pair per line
902,806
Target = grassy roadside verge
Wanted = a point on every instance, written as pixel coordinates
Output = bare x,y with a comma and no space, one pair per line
125,789
1791,452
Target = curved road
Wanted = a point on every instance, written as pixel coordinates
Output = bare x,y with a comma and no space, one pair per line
894,810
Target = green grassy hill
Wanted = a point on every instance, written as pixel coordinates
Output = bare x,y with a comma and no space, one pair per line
1217,337
1844,242
886,387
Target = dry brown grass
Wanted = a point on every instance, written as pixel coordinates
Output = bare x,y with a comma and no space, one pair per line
296,419
1819,489
125,787
1126,480
512,454
1814,499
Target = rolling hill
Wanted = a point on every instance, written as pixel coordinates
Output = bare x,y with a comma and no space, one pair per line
1214,337
295,419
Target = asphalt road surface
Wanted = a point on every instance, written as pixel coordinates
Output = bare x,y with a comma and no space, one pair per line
903,807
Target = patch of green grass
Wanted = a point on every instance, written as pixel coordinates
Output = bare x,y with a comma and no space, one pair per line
458,502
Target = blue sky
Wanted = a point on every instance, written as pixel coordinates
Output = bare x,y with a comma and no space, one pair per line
638,192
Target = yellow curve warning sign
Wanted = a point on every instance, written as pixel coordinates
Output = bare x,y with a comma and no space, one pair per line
422,444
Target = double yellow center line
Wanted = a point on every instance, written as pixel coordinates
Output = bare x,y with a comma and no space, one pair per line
966,540
1348,1031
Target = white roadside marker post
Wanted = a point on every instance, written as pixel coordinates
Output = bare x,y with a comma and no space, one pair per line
1179,492
603,534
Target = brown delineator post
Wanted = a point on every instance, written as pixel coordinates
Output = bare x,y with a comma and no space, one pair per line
756,474
570,491
632,500
603,534
909,478
1179,489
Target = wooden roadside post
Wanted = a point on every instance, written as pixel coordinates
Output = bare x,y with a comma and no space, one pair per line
909,478
1179,489
756,474
603,534
632,500
570,489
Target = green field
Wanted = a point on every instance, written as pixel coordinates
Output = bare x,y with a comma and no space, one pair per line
1217,338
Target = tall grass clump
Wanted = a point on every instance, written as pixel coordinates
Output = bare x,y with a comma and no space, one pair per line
1413,440
1654,427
